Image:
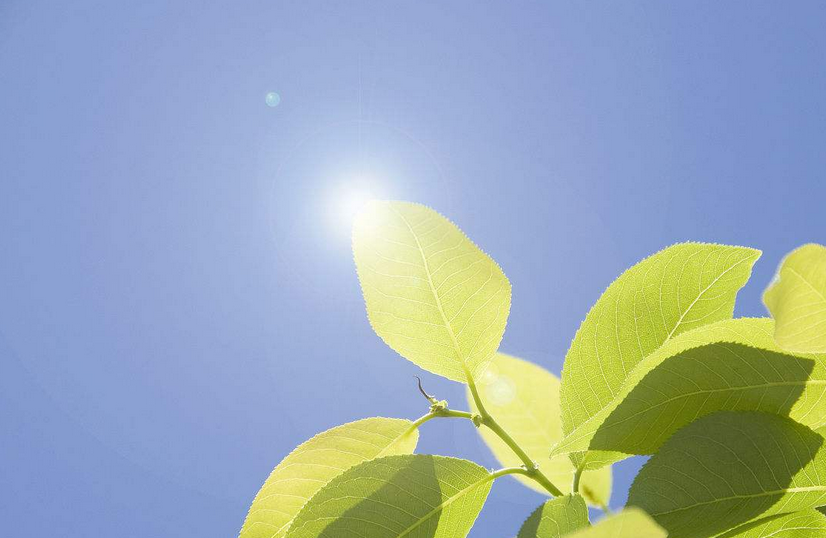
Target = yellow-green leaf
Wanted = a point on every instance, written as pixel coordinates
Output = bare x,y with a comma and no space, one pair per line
805,524
414,496
524,399
316,462
733,364
431,294
731,468
630,523
797,300
678,289
556,518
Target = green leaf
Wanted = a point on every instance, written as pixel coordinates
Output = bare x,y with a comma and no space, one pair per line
728,365
316,462
678,289
729,468
431,294
555,518
805,524
630,523
395,497
524,400
797,300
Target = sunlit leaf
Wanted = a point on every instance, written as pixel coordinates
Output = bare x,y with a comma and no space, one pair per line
729,468
398,496
630,523
317,461
797,300
555,518
728,365
678,289
805,524
431,294
524,399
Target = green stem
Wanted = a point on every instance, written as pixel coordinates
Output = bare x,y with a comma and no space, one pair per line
531,469
486,419
507,471
444,413
577,476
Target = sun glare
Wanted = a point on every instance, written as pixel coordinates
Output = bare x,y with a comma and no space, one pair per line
345,202
351,203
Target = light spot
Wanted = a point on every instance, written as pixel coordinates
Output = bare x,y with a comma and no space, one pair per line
272,99
347,200
502,391
351,202
490,374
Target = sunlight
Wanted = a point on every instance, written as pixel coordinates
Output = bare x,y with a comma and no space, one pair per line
347,200
351,203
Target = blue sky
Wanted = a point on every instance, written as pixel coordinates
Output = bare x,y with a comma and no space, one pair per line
179,305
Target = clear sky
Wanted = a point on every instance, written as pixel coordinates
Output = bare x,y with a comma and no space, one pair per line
178,303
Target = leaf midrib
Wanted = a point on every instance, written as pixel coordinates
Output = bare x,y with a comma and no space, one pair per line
801,489
687,310
439,307
805,281
607,424
447,502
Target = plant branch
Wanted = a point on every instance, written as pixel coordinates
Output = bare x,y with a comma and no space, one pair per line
507,471
439,409
444,413
531,469
438,413
577,476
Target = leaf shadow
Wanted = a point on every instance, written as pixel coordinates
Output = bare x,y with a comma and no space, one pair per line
389,509
741,530
746,463
721,376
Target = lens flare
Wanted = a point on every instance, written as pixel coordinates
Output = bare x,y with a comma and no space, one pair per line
346,200
272,99
351,202
502,391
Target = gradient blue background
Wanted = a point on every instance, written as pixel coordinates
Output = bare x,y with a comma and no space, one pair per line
178,304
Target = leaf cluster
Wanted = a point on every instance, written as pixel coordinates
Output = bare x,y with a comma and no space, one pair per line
731,410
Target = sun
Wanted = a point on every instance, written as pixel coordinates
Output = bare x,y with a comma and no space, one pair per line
347,199
351,202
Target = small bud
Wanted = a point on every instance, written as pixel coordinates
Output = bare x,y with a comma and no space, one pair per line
438,406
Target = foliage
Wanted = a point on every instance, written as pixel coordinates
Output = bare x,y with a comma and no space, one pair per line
731,410
797,300
524,398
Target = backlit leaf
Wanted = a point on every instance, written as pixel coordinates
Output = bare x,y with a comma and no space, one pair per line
431,294
630,523
414,496
556,518
524,399
728,365
805,524
678,289
317,461
797,300
730,468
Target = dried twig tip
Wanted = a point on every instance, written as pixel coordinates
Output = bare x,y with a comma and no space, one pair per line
430,398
